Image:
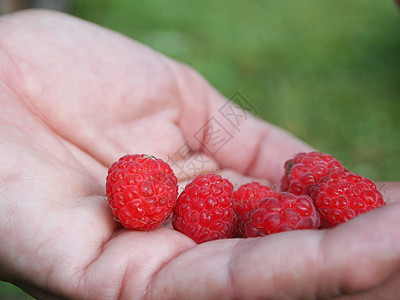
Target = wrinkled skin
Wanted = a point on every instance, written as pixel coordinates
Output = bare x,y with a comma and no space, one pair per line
75,97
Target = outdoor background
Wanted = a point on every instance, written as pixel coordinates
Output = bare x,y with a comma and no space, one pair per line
326,71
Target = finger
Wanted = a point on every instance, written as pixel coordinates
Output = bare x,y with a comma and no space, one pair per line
259,149
349,259
188,165
238,179
390,191
229,133
127,262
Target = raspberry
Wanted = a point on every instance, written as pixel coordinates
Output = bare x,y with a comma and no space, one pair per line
141,191
247,197
284,212
304,170
205,209
342,195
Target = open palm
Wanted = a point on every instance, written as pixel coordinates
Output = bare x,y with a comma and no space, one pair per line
74,98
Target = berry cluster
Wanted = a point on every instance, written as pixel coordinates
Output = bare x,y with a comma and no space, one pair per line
337,193
317,191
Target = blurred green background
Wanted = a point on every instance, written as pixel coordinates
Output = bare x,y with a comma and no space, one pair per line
326,71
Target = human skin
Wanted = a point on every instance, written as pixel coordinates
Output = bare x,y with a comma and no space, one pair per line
74,98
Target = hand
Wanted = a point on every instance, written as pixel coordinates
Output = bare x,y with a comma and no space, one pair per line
74,98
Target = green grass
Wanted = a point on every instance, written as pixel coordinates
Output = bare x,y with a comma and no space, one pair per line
327,71
11,292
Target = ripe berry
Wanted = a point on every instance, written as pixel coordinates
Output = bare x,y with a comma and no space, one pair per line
247,197
205,209
304,170
283,212
342,195
141,191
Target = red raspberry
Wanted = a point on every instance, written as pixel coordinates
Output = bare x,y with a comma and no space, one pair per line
141,191
304,170
342,195
247,197
284,212
205,209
